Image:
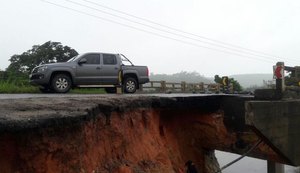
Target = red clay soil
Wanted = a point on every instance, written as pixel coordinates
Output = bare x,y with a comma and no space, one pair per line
136,141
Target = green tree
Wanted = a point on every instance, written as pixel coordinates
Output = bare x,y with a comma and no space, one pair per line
218,79
2,75
236,85
40,54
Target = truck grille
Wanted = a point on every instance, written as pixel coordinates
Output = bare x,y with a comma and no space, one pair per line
37,76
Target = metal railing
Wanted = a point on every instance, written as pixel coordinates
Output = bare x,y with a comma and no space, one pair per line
183,87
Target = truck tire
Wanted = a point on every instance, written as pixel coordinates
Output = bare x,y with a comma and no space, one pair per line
61,83
130,85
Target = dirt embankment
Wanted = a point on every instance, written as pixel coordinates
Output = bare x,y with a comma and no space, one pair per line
124,135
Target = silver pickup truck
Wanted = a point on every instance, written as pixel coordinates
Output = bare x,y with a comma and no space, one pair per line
90,70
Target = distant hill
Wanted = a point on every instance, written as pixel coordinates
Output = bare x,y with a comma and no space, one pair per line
248,80
190,77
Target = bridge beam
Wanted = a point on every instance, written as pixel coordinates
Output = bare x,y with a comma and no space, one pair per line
275,167
277,122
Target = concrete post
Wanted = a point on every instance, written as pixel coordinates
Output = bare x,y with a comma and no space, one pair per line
279,74
183,86
119,89
163,86
275,167
120,86
279,85
201,87
141,87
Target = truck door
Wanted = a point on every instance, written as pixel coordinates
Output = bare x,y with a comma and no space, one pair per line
88,72
110,69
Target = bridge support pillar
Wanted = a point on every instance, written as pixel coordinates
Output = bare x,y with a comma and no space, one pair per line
275,167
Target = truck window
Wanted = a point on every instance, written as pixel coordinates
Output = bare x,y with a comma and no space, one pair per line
92,58
109,59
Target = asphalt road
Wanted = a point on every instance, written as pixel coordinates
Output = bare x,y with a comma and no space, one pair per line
24,96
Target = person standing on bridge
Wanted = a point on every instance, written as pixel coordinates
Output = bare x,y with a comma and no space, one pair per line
190,167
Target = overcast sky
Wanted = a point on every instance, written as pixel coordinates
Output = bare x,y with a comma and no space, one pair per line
268,26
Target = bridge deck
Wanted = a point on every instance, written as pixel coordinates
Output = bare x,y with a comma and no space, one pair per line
28,111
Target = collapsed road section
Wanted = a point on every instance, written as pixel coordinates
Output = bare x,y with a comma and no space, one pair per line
123,134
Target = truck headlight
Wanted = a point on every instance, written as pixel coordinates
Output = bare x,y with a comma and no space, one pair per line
42,68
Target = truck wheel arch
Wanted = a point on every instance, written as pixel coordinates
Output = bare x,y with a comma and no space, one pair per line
61,72
131,75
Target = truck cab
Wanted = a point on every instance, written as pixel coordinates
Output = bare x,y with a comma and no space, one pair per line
95,68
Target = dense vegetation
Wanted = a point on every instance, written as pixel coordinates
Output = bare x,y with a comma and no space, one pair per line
15,78
40,54
236,87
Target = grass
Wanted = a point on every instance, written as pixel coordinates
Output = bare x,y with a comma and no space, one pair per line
8,87
88,91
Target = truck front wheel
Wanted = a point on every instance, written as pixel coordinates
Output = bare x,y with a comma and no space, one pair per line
61,83
130,85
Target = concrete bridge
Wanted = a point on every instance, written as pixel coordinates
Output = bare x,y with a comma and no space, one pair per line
142,133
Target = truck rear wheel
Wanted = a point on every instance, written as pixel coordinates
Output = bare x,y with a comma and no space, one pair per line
130,85
61,83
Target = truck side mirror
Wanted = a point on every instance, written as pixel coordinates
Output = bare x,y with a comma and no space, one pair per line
82,61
